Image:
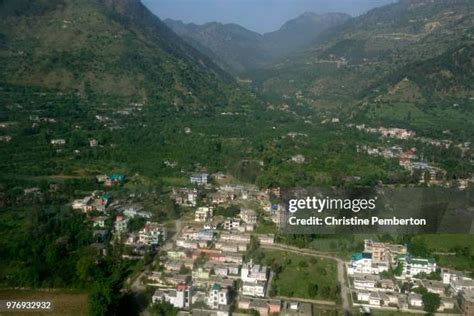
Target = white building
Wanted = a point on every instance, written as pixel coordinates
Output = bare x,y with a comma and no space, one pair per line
413,266
152,234
218,296
415,300
254,278
249,216
179,297
203,214
121,224
58,141
254,289
462,285
366,282
254,272
231,224
199,178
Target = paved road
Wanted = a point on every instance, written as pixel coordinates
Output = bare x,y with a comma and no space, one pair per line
340,269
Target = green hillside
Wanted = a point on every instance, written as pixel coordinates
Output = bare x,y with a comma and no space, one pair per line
111,47
418,52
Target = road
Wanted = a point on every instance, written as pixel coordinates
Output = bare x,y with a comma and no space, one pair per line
340,269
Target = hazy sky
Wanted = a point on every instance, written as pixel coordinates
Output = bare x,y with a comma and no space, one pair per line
257,15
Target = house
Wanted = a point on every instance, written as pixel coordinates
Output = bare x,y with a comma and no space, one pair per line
363,296
93,142
413,266
5,138
466,302
299,159
383,252
101,178
185,196
266,239
187,244
203,214
231,247
446,304
132,211
231,224
254,278
121,224
199,178
414,300
248,216
179,297
84,204
252,273
114,179
152,234
387,284
361,262
437,287
226,257
377,249
104,200
58,142
255,289
296,309
226,236
217,296
366,282
378,299
221,269
462,285
449,276
99,221
260,306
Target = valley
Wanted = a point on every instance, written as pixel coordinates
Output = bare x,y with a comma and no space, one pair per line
143,158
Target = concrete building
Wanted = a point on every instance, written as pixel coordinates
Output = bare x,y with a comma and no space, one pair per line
179,297
413,266
217,296
249,216
203,214
199,178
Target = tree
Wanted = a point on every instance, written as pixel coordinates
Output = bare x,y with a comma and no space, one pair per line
431,302
313,290
163,309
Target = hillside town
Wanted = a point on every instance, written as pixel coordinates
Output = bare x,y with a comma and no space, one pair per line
202,265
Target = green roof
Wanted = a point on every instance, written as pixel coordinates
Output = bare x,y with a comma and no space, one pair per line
216,286
117,177
105,196
361,255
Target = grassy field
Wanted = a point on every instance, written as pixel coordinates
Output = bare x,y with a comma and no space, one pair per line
445,243
65,303
299,273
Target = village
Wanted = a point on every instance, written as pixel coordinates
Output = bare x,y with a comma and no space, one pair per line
387,276
202,267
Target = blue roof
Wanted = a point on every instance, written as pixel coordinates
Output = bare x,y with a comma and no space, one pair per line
117,177
361,255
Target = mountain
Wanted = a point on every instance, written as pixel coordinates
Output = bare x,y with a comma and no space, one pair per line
231,46
370,54
237,49
113,47
302,31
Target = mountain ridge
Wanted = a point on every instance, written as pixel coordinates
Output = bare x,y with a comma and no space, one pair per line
238,49
109,46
